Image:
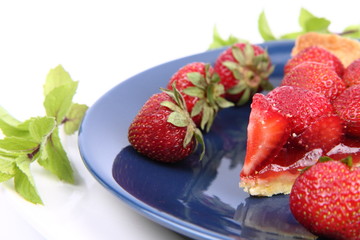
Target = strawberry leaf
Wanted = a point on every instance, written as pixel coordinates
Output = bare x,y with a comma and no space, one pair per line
172,106
197,79
194,92
245,96
223,103
198,107
188,136
348,161
200,141
178,119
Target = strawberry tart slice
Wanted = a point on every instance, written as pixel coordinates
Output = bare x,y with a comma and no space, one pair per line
289,129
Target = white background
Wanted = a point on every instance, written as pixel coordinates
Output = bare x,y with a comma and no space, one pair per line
101,43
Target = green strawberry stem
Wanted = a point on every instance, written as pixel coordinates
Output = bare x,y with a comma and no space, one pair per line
180,117
251,70
209,91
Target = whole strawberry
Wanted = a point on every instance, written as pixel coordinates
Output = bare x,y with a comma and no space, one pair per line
325,199
315,76
301,106
202,92
315,54
352,74
163,129
244,70
312,118
347,106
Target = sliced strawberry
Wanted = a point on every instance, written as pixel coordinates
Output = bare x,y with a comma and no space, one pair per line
324,133
268,131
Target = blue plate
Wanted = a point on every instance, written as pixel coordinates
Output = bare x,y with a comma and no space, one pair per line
201,200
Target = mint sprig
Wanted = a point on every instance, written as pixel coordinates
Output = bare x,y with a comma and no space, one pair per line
37,139
308,22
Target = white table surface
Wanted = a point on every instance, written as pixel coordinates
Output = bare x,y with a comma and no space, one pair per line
101,43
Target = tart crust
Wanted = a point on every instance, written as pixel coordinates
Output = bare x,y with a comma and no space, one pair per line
278,183
346,49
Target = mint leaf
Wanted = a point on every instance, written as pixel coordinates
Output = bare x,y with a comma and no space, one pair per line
292,35
317,25
53,158
24,182
264,28
37,139
352,31
304,17
58,101
218,41
59,90
7,168
17,146
74,117
4,177
41,127
11,126
55,78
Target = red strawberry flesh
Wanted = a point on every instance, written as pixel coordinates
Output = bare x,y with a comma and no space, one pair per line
268,131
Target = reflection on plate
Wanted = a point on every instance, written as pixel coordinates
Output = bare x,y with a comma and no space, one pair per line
201,200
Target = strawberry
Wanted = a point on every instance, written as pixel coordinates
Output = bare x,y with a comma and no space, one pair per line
315,54
268,131
202,92
347,105
325,133
301,106
314,123
244,70
163,129
315,76
352,73
325,199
